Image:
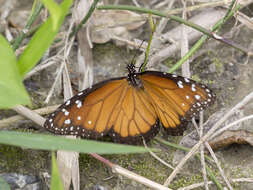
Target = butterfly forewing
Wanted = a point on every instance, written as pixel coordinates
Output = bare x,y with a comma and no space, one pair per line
85,113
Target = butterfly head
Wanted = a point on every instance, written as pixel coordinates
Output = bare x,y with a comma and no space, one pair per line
131,68
133,78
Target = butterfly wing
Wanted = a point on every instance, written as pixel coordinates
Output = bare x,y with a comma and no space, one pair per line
112,108
176,99
86,113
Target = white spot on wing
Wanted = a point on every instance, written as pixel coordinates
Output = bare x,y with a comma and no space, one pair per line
187,97
80,93
67,103
79,103
67,121
180,84
193,88
186,80
79,118
89,122
197,97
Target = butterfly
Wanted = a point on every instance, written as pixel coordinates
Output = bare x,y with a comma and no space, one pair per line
132,108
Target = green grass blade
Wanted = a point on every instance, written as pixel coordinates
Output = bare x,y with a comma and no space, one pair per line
12,90
56,183
4,185
55,11
49,142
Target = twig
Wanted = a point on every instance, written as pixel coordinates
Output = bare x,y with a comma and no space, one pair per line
59,73
47,63
36,118
11,120
202,154
218,165
197,7
185,45
176,146
197,185
131,175
135,44
156,157
203,163
163,22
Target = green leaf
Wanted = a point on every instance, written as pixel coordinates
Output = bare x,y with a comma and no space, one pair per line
55,11
12,90
49,142
4,185
42,39
56,183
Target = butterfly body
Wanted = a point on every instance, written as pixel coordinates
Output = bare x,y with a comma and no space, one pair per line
131,108
133,78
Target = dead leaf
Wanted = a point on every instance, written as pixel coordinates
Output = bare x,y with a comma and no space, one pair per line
107,23
230,137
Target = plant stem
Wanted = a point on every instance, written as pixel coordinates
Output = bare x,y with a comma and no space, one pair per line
78,27
28,25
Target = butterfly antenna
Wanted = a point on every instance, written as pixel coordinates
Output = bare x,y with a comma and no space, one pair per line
135,55
153,27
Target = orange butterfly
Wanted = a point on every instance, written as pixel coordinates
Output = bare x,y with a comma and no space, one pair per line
131,108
